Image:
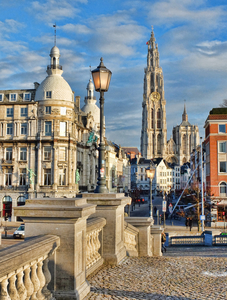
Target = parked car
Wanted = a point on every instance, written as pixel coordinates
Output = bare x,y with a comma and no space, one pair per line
19,233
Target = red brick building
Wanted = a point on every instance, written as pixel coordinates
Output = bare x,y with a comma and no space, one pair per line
216,163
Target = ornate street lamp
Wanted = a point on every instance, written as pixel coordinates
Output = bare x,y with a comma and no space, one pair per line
150,174
101,77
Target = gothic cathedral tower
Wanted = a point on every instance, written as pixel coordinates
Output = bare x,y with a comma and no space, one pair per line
154,132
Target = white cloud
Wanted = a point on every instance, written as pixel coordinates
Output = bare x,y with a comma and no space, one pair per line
172,12
116,34
76,28
53,10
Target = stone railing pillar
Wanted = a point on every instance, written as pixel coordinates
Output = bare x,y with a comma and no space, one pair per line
156,232
67,219
145,241
111,207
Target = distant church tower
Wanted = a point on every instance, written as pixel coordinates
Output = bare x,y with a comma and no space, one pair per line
154,132
186,138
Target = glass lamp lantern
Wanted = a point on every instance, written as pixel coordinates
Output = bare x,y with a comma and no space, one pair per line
101,77
150,173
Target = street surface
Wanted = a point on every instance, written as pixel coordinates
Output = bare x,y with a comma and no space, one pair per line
200,274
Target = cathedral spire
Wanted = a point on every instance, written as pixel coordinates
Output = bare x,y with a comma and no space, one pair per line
185,115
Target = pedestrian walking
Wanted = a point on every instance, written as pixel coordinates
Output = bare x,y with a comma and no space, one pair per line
187,222
163,239
190,224
155,210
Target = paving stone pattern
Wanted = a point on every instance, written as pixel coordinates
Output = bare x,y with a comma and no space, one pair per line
168,277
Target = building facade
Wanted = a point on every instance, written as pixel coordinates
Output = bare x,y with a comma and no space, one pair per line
48,145
216,164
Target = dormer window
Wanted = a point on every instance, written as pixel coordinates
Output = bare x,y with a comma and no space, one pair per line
13,97
1,97
27,96
48,95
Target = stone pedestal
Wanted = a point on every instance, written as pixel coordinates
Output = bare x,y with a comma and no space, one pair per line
111,207
208,238
156,232
65,218
144,225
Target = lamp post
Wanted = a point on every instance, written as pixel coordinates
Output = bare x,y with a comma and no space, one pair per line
202,202
101,77
150,174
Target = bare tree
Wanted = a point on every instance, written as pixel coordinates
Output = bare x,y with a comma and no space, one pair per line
224,103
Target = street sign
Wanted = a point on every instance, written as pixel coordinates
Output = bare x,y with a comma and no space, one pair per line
164,206
202,217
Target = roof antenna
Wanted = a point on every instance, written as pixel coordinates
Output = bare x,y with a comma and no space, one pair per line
55,30
90,71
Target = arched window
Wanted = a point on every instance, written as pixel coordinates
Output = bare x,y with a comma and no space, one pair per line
159,118
184,144
159,144
7,199
7,207
21,199
223,189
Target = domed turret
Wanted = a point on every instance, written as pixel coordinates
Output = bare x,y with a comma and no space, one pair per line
90,104
90,89
54,86
55,51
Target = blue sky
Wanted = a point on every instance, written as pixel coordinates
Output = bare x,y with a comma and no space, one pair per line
192,40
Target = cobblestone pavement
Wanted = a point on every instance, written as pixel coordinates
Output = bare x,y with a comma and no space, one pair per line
169,277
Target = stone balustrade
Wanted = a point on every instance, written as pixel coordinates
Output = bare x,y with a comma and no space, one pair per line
94,247
131,239
187,240
24,272
145,240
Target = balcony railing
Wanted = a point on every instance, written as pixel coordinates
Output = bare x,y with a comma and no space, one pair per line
14,188
54,67
24,272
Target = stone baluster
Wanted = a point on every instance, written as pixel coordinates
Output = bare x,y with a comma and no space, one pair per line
28,283
3,290
35,281
47,275
42,280
12,288
88,250
97,244
92,248
22,291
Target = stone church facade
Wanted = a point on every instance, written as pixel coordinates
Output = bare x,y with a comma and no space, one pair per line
154,144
